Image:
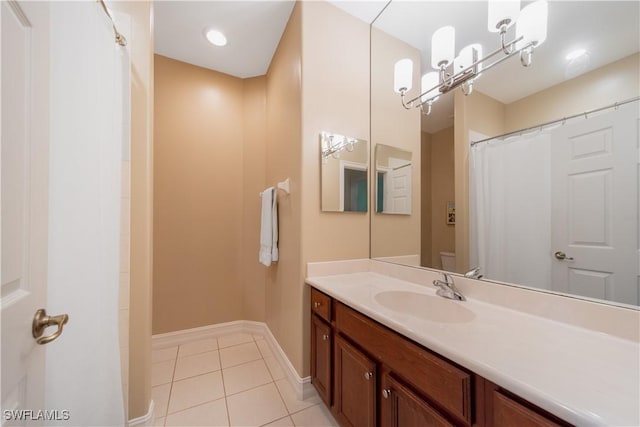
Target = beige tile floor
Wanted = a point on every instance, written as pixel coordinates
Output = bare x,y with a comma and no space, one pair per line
232,380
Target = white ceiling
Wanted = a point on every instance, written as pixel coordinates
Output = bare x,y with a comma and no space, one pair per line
609,30
253,30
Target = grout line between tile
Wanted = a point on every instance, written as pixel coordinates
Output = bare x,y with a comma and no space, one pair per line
282,418
195,406
224,388
199,352
175,365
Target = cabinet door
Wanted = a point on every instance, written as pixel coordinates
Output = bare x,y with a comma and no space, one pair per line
321,358
400,407
355,386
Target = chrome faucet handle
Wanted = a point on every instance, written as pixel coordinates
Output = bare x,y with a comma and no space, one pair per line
447,289
474,273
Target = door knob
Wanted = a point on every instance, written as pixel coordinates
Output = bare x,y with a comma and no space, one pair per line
386,393
368,375
562,256
41,321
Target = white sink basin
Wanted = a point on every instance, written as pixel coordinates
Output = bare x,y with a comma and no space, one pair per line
433,308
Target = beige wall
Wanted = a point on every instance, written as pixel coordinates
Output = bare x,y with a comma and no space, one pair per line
283,298
198,175
195,285
442,191
254,167
335,97
425,200
606,85
140,302
308,73
391,124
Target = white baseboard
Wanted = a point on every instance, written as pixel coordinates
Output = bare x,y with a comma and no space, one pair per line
303,387
146,420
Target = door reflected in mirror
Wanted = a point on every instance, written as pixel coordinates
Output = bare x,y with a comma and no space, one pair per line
393,180
344,168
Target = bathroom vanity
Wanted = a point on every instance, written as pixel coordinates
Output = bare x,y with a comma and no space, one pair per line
388,352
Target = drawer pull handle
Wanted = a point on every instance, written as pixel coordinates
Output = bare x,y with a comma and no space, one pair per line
368,376
317,304
386,393
325,337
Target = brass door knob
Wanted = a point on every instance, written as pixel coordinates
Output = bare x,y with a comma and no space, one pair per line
41,321
562,256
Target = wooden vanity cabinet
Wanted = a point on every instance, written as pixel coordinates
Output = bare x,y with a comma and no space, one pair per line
372,376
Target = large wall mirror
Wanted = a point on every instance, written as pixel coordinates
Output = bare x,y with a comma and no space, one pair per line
547,201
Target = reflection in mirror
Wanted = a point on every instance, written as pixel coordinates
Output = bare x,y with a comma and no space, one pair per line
552,207
344,168
393,180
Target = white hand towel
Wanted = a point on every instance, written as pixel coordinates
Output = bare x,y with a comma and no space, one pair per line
274,226
266,227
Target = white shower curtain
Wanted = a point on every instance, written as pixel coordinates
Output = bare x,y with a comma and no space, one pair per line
510,209
89,104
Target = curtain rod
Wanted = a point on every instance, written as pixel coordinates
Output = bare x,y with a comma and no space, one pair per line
563,120
119,37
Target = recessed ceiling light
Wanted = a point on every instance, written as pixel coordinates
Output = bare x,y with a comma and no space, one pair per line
215,37
575,54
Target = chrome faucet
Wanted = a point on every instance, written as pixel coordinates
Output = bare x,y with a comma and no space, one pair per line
474,273
447,289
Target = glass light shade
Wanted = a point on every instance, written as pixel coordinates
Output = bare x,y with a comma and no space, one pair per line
502,10
532,24
443,46
430,80
216,38
465,58
403,75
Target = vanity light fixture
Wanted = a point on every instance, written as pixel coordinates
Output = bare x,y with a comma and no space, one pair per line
333,144
215,37
462,70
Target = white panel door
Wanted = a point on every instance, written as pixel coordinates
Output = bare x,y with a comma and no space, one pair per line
397,186
25,142
595,207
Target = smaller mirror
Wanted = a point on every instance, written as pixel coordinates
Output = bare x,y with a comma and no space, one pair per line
393,180
344,170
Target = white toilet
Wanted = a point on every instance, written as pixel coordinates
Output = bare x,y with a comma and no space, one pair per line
448,260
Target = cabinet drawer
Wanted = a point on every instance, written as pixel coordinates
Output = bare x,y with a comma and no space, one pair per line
445,384
508,412
321,304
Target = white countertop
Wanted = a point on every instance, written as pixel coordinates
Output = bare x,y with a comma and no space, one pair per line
582,376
